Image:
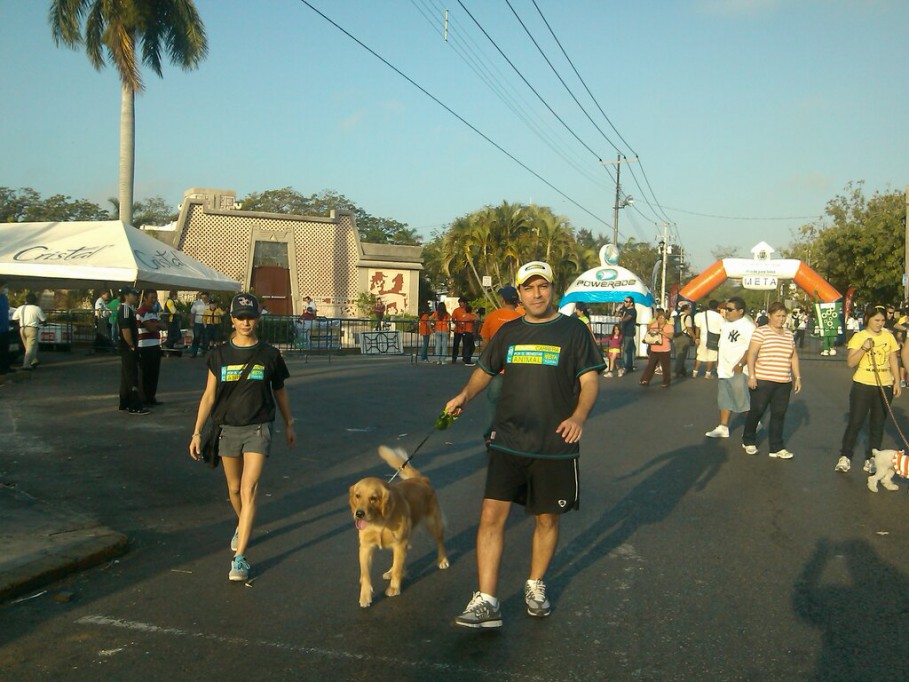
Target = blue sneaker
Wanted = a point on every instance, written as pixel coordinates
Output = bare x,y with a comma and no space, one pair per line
239,569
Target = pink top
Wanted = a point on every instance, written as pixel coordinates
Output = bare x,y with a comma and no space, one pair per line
668,330
615,341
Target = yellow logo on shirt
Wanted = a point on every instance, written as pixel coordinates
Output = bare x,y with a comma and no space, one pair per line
234,372
532,354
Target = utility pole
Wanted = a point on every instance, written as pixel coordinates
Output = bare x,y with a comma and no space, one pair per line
618,203
906,259
665,244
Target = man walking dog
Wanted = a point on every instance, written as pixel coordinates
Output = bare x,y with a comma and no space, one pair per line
551,379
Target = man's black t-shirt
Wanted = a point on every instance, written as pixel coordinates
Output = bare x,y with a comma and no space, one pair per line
252,401
542,363
126,319
628,326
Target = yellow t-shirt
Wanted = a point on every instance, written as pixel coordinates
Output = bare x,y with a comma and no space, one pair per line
878,357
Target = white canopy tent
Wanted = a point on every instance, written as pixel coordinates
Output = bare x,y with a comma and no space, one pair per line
101,253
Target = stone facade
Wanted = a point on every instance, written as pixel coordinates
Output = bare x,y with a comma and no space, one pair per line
324,257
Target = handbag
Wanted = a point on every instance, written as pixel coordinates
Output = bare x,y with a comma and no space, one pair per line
211,445
212,442
713,341
653,338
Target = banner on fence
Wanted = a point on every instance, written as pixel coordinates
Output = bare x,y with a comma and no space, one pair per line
382,343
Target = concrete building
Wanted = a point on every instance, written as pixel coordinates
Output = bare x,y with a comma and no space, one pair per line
284,258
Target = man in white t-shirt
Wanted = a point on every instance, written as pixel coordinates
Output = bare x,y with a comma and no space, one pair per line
197,315
732,387
706,322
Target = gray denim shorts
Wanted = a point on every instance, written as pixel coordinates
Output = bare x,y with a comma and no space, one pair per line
733,394
236,440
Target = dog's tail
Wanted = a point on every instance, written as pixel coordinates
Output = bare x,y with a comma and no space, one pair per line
395,458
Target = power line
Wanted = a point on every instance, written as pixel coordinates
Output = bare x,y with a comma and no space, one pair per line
731,217
494,84
450,110
527,83
596,102
558,75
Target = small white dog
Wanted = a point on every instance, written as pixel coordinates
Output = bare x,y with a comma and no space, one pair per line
888,463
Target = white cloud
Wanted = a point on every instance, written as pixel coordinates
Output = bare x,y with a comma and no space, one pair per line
352,121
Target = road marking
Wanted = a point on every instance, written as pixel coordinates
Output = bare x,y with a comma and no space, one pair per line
284,646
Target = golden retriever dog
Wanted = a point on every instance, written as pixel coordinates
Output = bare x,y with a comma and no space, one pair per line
385,514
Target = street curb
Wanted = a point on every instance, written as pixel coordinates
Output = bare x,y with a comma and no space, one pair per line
95,546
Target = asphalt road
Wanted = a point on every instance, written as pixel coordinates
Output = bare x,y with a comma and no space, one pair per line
688,559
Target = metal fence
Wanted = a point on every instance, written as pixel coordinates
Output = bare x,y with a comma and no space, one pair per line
66,329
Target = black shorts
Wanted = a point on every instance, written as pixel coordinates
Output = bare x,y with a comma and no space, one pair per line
542,486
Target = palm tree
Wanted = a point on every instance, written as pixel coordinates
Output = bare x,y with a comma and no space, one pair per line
127,32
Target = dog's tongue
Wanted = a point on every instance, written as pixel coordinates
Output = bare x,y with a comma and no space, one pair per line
360,524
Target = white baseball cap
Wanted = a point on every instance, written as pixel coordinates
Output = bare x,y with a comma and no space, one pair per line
532,269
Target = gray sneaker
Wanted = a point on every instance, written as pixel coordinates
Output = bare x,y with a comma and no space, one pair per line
535,598
239,569
480,614
235,540
843,464
869,468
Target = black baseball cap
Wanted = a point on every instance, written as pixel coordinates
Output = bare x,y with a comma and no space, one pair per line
244,305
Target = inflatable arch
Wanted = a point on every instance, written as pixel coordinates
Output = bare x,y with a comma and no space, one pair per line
760,272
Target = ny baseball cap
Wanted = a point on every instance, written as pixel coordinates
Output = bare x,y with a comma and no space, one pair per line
244,305
532,269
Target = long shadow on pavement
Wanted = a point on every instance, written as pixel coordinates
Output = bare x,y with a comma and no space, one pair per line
860,605
671,477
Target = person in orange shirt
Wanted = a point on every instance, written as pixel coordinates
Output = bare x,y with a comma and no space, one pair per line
500,316
441,325
457,317
425,333
492,323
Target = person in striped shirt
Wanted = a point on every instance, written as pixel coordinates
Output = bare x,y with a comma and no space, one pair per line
773,374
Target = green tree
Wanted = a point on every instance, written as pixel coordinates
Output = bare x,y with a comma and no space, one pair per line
130,32
26,205
154,211
371,228
862,246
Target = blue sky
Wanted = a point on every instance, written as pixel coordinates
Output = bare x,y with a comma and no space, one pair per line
756,110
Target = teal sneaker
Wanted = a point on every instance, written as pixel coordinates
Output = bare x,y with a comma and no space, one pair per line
239,569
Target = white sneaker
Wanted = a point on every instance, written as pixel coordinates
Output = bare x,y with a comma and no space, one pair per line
708,375
823,352
782,454
694,374
720,431
869,467
843,465
750,449
832,351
